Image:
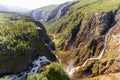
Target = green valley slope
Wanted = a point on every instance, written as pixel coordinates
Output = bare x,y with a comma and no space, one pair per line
81,33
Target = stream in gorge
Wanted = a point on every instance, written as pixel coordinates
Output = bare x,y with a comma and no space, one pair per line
36,64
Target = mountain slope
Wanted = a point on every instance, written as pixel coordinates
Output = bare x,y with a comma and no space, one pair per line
60,11
13,16
48,14
81,36
42,13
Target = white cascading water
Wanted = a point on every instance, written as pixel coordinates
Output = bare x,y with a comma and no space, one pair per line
72,70
36,65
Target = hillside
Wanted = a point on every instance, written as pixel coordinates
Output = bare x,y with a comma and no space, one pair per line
48,8
43,12
52,12
13,16
82,36
81,42
22,39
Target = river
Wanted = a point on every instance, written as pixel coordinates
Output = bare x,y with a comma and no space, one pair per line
36,64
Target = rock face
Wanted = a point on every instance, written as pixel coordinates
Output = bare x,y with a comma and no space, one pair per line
84,34
83,31
87,43
60,11
56,13
112,51
42,13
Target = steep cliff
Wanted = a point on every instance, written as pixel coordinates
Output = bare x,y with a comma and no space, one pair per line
42,13
90,34
52,12
60,11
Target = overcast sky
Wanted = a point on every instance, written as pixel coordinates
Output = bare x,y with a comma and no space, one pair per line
31,4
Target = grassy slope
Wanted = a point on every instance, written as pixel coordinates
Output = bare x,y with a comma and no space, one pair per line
76,13
86,6
47,8
11,16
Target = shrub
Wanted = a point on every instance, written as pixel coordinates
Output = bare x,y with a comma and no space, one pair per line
53,72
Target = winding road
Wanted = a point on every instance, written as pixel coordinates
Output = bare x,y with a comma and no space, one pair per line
71,71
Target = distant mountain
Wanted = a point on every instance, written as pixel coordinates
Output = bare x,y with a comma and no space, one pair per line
18,9
52,12
13,9
61,11
43,12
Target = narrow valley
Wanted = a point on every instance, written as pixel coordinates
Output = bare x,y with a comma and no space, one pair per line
60,40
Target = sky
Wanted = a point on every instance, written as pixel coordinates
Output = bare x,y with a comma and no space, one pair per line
30,4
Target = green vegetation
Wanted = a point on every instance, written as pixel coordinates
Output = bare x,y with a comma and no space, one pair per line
16,40
6,78
6,17
15,36
53,72
20,43
66,26
48,8
85,6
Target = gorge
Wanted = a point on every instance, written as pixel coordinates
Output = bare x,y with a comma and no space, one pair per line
76,40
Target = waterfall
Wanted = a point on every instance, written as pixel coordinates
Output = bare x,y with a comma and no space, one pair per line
71,71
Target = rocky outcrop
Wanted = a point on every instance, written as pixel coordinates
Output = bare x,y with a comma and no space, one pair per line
40,15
